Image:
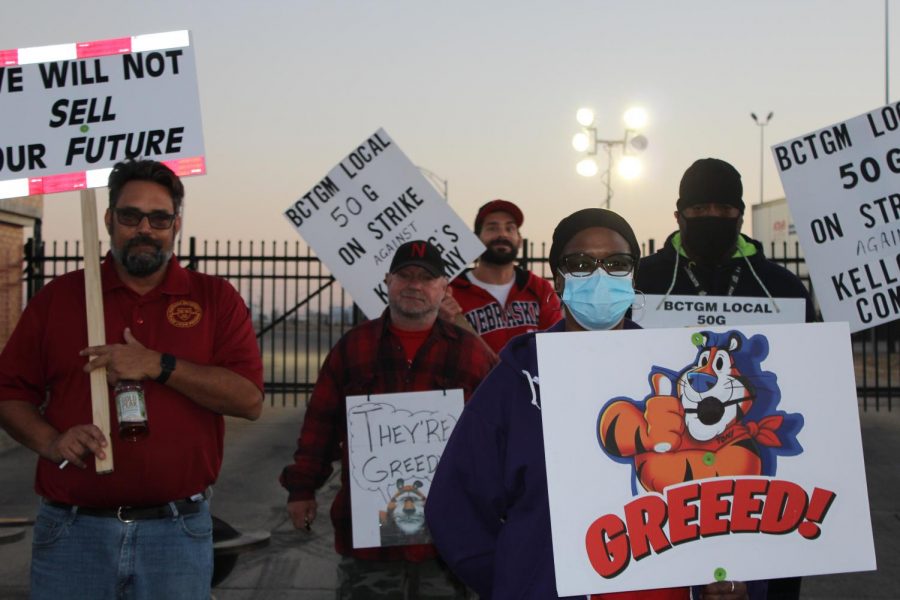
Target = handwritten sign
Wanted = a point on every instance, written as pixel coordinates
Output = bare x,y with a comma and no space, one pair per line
366,207
70,112
395,443
678,456
843,187
691,311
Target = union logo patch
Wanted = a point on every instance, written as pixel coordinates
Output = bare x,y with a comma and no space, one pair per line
184,313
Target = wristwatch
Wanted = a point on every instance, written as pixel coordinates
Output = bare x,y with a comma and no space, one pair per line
167,364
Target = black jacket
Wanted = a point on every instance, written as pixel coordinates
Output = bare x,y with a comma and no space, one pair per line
655,274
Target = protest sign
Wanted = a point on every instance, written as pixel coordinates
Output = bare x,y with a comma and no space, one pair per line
683,456
69,112
691,311
843,187
367,206
395,442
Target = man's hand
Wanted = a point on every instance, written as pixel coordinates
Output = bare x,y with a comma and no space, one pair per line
450,310
665,416
76,443
129,361
303,513
725,590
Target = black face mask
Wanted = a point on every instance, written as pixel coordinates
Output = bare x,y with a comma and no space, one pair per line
710,240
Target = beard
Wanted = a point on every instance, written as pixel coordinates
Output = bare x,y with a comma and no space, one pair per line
141,263
500,252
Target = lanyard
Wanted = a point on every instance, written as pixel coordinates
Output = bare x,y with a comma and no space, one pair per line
735,277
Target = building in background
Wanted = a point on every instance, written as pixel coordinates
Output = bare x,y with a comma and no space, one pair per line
16,214
774,228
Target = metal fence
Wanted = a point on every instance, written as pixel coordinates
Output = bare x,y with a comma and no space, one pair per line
876,351
299,310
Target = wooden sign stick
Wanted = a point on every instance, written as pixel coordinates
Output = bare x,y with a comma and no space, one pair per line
93,295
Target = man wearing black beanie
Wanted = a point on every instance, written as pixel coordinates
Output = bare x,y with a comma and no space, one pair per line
709,256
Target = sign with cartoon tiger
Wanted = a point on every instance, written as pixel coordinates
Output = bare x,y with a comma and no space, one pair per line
395,442
678,456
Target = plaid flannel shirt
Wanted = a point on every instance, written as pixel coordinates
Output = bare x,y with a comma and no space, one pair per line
369,359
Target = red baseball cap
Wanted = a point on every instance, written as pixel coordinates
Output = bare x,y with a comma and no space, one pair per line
498,206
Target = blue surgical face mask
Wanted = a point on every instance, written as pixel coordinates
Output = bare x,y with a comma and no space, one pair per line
598,301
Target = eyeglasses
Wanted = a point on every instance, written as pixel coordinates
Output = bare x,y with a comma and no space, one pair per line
583,265
132,217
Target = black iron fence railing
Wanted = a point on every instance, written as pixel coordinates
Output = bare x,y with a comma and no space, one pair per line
299,310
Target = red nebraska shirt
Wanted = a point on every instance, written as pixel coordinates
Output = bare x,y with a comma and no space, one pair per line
196,317
532,305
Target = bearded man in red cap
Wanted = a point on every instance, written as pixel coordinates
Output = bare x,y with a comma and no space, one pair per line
497,299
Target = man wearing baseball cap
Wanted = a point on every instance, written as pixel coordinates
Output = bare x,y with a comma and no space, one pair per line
406,349
497,299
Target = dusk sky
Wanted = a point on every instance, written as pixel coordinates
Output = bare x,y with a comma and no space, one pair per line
485,93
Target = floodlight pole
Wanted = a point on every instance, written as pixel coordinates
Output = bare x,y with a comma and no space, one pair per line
435,178
608,145
762,143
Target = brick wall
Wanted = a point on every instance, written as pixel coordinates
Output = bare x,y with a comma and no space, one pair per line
15,215
11,241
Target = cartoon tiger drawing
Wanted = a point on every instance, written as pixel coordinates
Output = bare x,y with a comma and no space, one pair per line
718,420
404,520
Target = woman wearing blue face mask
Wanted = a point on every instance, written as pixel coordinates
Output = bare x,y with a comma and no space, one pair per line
593,257
487,508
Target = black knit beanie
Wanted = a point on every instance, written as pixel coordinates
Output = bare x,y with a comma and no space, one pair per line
581,220
710,180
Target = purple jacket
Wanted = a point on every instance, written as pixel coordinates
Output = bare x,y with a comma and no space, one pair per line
487,509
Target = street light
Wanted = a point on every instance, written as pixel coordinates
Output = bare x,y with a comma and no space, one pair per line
434,178
762,144
589,142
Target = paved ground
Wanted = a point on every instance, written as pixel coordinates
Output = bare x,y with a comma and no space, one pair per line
301,565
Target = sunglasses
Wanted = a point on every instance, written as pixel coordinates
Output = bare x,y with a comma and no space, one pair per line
583,265
132,217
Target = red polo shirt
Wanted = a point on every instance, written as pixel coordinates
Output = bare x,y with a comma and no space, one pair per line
196,317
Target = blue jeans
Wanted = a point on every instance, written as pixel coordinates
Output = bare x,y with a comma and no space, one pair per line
84,557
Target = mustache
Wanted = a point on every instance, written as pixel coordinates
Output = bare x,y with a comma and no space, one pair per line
142,240
501,243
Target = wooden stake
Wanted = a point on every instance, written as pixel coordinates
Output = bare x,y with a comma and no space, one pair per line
93,295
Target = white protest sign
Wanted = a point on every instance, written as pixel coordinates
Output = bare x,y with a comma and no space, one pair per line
843,187
690,311
69,112
367,206
395,442
679,457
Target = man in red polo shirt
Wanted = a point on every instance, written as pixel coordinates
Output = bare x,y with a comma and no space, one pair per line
497,299
407,349
144,530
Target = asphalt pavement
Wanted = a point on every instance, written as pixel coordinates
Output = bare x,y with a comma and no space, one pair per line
297,564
